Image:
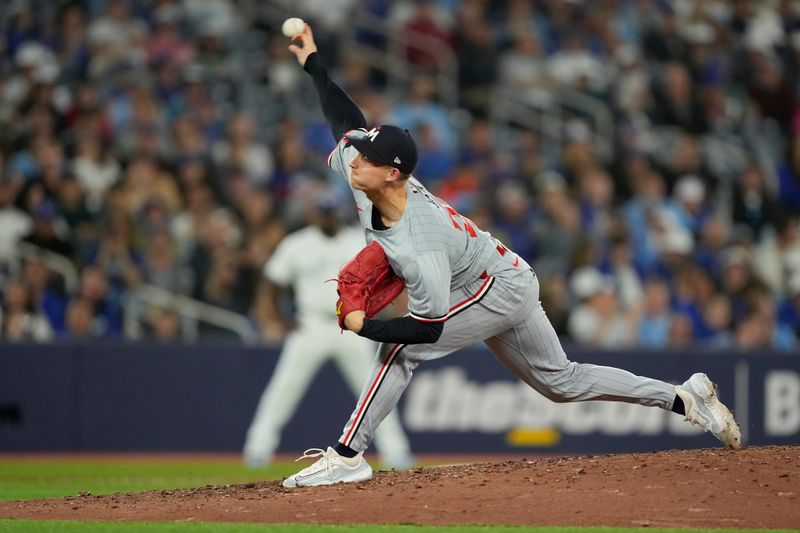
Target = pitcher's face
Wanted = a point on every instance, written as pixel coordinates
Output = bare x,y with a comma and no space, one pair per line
369,175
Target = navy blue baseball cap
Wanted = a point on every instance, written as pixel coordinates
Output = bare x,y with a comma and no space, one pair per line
389,145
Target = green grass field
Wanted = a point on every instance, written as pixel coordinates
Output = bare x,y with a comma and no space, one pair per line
26,478
23,479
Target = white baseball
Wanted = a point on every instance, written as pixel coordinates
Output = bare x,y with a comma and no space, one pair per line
292,27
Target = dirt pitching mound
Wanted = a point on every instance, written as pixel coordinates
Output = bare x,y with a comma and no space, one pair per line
749,488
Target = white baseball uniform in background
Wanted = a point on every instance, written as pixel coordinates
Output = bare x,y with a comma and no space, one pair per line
305,260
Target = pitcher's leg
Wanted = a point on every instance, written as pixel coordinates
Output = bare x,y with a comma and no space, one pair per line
388,378
353,356
533,352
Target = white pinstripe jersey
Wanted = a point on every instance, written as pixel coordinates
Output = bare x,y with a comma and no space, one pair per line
432,247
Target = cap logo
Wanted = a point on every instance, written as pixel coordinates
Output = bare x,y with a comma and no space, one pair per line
397,160
362,134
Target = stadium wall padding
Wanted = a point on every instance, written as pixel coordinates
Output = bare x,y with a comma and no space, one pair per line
157,397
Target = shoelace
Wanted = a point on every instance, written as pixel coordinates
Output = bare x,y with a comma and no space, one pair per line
311,453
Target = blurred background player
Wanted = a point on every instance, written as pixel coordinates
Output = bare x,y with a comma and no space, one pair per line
302,264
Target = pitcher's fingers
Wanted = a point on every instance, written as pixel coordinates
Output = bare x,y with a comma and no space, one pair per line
304,36
307,33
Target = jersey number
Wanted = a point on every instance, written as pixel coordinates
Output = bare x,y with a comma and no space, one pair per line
455,217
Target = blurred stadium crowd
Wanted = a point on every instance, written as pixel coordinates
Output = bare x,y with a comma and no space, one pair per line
175,142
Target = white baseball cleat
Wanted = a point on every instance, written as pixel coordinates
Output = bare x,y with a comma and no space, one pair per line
330,468
704,409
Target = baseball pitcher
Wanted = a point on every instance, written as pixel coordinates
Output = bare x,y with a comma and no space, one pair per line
463,287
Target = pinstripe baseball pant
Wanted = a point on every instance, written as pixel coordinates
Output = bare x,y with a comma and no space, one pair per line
506,314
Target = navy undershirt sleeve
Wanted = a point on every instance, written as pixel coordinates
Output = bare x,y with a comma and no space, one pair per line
402,330
340,111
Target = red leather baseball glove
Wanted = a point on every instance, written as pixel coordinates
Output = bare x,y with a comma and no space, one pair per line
366,282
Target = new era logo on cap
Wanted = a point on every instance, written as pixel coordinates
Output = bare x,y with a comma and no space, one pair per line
389,145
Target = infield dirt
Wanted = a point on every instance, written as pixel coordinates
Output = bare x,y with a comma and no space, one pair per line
757,487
